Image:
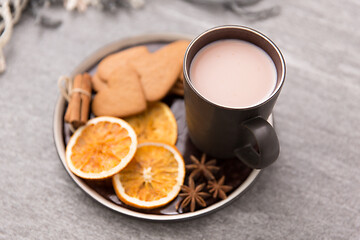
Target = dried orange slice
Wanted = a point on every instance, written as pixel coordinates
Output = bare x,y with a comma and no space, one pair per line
157,123
101,148
153,178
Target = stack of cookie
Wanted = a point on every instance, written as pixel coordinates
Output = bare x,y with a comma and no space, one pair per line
127,81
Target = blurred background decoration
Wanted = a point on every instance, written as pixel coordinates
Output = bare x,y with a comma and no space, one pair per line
11,10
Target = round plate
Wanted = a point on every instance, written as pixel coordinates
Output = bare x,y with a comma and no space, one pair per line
102,191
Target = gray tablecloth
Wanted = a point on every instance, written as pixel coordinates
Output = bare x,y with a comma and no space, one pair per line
311,192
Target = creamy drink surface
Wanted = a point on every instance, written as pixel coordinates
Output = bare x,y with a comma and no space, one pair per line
233,73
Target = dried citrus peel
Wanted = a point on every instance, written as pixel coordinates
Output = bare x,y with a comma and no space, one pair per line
153,178
101,148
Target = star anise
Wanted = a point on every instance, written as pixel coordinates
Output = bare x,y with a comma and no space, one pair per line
193,195
218,188
202,168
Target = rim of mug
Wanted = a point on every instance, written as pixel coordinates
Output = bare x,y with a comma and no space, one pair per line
282,60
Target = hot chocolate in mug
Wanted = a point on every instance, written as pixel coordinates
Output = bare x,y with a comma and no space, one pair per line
233,77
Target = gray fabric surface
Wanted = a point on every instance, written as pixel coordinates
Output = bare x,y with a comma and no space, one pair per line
311,192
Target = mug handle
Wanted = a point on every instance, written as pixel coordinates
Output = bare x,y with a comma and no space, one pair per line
266,148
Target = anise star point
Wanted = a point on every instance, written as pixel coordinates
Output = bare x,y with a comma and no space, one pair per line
192,195
218,189
202,168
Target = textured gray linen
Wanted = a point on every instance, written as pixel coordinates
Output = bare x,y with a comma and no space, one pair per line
311,192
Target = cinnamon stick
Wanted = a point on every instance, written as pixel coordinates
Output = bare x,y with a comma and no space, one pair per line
77,112
181,77
178,87
179,84
177,91
85,99
73,111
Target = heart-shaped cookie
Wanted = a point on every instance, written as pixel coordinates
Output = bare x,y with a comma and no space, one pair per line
113,61
98,83
160,70
122,96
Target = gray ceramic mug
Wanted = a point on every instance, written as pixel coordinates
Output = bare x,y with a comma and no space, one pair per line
225,132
